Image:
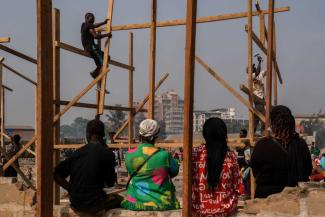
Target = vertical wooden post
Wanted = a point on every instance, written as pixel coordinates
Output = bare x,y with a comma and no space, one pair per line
250,83
262,29
106,55
44,144
130,88
152,64
56,96
2,106
250,70
275,74
269,63
188,105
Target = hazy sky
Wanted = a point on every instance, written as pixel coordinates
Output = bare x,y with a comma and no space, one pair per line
223,45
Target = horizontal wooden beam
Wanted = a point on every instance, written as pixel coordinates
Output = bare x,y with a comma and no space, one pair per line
205,19
134,145
7,88
4,40
86,54
255,98
94,106
18,54
229,88
19,74
261,46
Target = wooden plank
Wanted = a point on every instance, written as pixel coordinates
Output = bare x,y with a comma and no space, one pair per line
262,47
229,88
152,62
134,145
4,40
19,153
188,105
18,54
262,29
19,74
130,114
44,110
81,94
56,97
140,106
84,53
205,19
2,117
106,55
269,64
275,76
255,98
94,106
7,88
22,175
251,131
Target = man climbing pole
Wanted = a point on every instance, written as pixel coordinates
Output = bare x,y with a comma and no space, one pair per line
258,90
88,36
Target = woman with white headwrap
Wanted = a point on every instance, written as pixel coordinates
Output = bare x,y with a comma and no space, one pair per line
150,186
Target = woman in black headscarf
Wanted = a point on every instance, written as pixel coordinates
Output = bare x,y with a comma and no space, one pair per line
299,159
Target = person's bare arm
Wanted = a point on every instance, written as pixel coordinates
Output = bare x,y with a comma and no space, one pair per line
61,181
98,35
96,25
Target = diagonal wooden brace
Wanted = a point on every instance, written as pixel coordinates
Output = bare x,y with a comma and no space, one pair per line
230,88
139,108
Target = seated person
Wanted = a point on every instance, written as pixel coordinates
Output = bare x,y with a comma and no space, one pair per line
90,168
151,169
216,179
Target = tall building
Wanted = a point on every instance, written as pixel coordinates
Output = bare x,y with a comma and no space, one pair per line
169,109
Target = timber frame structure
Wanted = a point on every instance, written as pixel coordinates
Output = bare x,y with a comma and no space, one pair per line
48,102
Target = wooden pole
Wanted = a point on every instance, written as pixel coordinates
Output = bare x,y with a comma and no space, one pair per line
152,64
2,107
262,29
130,115
19,74
205,19
231,90
4,40
275,75
250,84
188,105
82,93
18,54
44,146
56,96
106,55
269,63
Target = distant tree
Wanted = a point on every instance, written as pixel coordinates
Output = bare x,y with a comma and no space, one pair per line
76,130
115,119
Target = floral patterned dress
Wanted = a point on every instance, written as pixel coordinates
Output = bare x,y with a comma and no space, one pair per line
151,188
222,201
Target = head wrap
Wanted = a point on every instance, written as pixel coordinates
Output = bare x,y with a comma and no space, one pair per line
149,128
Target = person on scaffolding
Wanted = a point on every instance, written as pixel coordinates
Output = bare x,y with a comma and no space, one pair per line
88,36
258,90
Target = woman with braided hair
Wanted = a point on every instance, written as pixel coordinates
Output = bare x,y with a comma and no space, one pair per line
283,128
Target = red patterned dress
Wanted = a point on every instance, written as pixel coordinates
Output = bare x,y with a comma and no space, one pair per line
222,201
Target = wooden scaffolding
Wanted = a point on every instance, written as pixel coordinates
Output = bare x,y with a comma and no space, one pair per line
48,101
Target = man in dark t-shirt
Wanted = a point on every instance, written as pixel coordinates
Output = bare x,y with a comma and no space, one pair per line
90,168
88,36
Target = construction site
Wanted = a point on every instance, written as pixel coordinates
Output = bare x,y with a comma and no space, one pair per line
55,96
